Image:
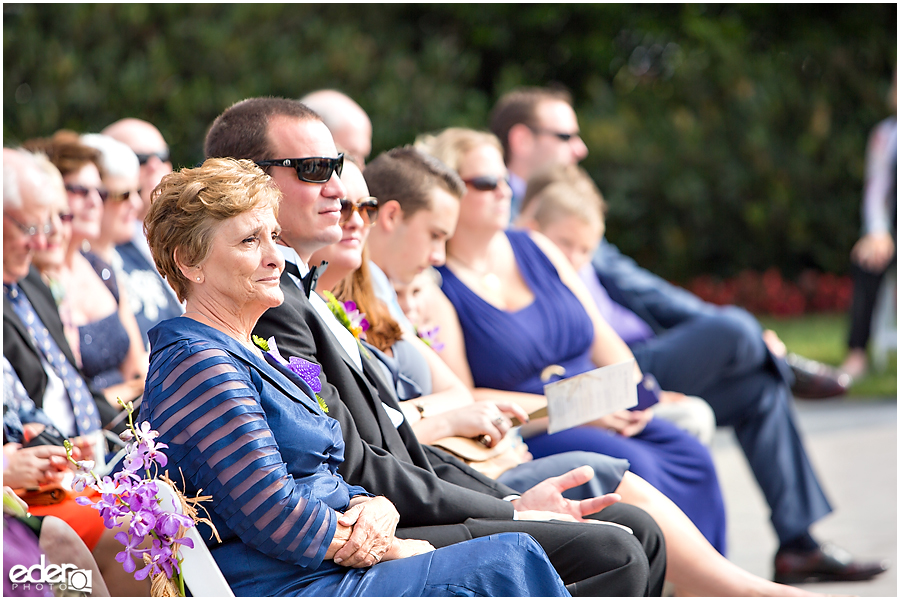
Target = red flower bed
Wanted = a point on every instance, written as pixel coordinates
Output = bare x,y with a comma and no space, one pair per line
770,293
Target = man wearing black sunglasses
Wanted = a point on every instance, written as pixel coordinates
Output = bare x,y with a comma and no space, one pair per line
148,144
716,353
439,499
537,127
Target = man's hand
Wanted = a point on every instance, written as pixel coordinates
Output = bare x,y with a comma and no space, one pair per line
547,496
374,521
873,251
406,548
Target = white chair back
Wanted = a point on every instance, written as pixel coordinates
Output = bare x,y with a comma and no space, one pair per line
201,573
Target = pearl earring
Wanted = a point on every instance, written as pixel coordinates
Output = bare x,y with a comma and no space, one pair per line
198,278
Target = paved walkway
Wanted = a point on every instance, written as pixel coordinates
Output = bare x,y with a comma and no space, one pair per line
853,446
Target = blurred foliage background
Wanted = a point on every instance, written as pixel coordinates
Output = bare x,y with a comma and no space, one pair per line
724,137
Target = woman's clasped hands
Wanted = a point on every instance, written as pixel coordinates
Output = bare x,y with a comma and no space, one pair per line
365,535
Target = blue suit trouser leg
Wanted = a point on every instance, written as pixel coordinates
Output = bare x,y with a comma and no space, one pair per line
724,361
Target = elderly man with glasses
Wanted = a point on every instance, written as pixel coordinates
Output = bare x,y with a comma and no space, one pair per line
33,339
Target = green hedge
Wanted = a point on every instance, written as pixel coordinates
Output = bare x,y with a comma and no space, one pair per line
724,137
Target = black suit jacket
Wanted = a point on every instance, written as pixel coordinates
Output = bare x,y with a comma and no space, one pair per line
428,486
25,357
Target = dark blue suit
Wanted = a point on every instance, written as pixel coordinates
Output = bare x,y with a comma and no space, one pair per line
718,353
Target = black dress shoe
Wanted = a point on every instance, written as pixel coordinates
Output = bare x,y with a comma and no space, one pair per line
827,563
814,380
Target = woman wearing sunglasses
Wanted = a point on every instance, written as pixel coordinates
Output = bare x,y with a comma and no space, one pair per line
421,378
515,309
101,329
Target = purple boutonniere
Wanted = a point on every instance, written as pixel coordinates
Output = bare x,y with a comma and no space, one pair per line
302,368
429,336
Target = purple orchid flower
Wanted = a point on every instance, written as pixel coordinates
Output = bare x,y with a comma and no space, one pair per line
83,475
429,336
302,368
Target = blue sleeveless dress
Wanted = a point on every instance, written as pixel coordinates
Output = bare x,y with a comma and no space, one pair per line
508,350
104,343
251,435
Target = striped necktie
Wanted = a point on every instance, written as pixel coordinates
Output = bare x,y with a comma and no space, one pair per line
87,419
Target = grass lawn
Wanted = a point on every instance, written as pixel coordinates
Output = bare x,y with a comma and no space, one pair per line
823,337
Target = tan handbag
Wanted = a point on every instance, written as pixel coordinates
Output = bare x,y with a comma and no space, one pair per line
491,462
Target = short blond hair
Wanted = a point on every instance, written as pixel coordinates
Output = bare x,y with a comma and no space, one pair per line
563,199
450,145
188,205
572,174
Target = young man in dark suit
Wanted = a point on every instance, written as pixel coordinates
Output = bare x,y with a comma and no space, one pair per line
439,498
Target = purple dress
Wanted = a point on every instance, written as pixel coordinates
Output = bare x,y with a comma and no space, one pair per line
508,350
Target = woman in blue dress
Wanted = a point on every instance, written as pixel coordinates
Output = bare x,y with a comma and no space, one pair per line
516,307
251,433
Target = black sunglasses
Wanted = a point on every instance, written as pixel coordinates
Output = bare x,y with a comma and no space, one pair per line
80,190
564,137
366,207
315,169
486,183
162,155
123,196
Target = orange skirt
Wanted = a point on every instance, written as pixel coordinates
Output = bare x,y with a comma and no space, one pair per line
85,520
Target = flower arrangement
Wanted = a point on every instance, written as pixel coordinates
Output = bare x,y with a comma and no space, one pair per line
128,494
302,368
349,316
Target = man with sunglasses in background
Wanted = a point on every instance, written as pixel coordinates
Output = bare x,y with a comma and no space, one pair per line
717,353
438,498
144,165
537,127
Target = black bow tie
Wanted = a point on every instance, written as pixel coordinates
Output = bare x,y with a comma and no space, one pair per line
309,280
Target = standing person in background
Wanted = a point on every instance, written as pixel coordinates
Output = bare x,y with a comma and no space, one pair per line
716,353
876,251
348,122
150,297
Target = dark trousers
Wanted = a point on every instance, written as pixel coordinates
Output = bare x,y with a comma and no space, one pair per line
865,292
592,559
723,359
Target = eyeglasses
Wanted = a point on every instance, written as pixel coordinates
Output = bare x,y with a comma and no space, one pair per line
486,183
315,169
32,230
162,155
80,190
564,137
122,197
366,207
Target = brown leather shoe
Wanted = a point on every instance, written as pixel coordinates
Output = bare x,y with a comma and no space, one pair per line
827,563
814,380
